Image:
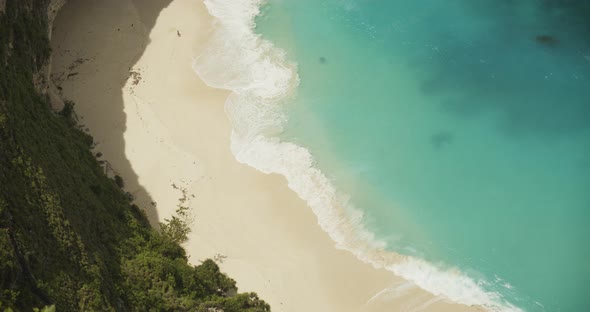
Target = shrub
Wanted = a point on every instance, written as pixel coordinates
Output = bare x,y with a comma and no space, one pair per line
119,181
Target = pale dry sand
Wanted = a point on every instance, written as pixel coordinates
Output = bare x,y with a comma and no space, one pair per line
127,66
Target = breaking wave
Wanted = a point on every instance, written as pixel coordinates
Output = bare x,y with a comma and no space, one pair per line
261,80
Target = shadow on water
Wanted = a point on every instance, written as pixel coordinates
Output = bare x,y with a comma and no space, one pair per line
530,67
85,14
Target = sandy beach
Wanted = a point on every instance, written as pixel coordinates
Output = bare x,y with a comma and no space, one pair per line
127,66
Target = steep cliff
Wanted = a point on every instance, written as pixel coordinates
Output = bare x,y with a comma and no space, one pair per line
69,236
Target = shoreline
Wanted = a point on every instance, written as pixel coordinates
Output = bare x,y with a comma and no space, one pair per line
164,131
255,109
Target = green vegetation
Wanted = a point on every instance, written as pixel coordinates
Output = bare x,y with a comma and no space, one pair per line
177,228
69,238
119,181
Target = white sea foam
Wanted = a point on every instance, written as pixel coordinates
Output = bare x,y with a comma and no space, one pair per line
261,79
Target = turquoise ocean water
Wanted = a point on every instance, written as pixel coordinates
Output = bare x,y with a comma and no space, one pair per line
455,132
461,129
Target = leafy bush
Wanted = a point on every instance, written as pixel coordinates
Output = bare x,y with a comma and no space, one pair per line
119,181
177,228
